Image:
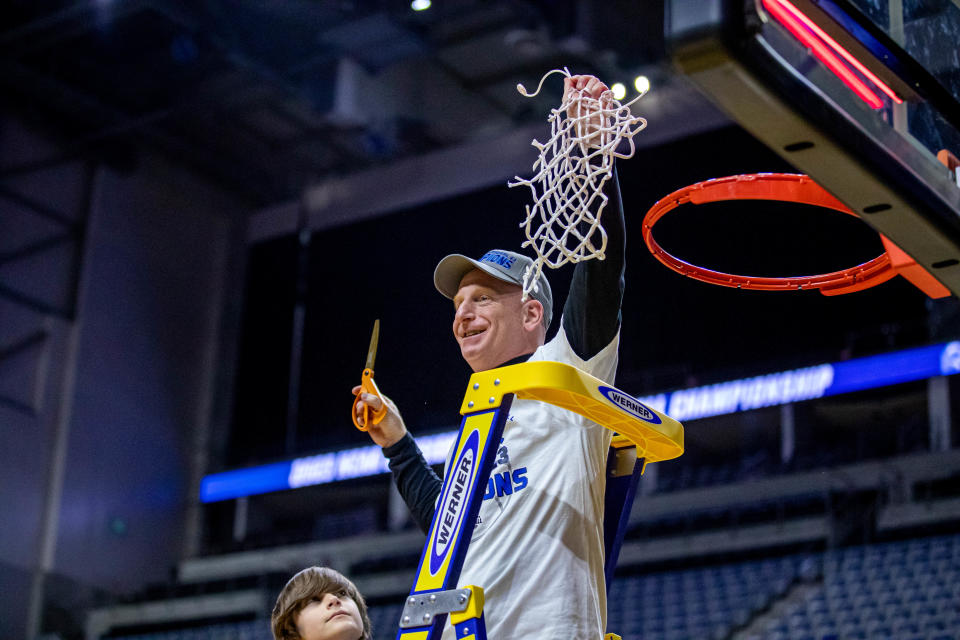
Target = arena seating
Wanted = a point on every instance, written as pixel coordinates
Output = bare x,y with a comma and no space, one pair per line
706,603
906,590
247,630
714,558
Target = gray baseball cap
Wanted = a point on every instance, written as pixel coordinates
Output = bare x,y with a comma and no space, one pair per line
503,265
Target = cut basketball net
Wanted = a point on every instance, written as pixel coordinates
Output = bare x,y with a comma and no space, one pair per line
563,224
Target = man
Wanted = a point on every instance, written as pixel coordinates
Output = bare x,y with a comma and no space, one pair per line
537,549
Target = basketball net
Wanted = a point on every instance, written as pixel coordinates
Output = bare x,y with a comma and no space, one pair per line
563,224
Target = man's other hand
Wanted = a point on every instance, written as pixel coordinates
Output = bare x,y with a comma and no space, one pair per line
389,430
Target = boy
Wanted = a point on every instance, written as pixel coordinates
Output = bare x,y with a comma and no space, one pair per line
319,603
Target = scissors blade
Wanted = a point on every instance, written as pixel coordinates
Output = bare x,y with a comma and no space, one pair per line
374,339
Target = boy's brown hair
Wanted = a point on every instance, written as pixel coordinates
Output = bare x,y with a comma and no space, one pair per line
303,588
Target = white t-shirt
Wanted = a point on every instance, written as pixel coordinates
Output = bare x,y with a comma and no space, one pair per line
537,549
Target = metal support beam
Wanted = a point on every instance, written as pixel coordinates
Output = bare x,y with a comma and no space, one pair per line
31,340
34,206
31,302
240,516
35,339
938,409
18,406
36,247
788,435
58,423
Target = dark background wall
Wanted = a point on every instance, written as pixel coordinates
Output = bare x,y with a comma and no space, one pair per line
130,384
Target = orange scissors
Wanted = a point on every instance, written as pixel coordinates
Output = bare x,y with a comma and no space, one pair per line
369,386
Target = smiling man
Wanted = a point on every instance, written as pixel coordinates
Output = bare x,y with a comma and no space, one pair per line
491,323
537,549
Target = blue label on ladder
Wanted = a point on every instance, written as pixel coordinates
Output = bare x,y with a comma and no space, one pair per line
452,506
630,404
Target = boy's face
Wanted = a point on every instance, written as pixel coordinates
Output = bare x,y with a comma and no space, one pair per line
333,617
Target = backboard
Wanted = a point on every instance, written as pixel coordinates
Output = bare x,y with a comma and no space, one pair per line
862,95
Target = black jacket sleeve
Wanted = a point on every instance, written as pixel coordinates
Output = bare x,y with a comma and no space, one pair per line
591,315
419,486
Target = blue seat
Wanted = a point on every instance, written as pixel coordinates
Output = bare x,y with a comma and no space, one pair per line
853,632
741,616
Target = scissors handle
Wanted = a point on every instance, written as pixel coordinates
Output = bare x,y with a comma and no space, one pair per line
368,386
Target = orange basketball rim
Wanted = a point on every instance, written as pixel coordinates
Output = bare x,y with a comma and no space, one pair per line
786,187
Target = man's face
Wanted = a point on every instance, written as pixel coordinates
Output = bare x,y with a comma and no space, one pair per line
333,617
488,323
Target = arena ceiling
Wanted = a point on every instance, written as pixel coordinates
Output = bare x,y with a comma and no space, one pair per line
271,97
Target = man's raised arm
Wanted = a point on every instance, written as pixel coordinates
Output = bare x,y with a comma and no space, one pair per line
591,314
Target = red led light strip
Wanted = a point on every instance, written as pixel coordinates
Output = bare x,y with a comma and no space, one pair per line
810,24
807,32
